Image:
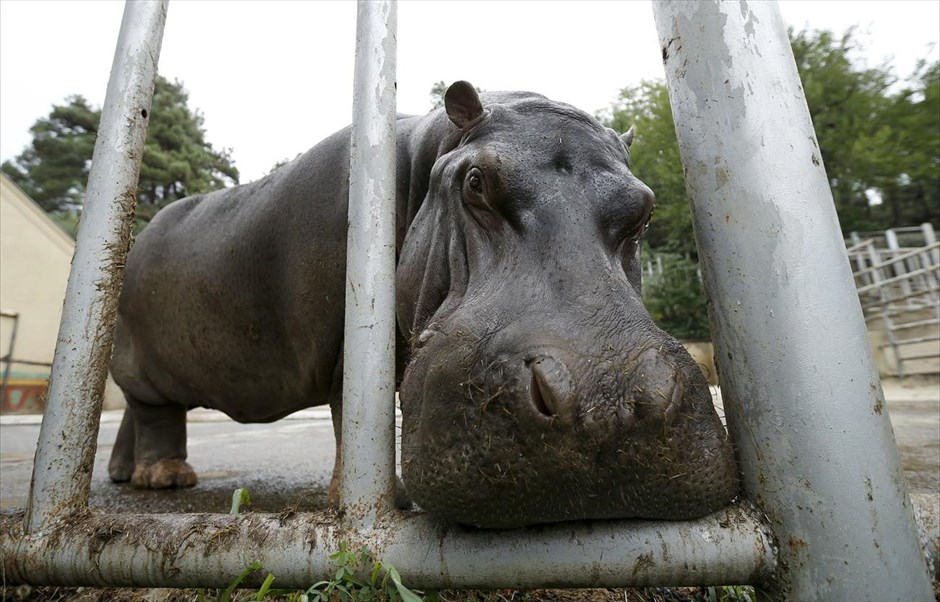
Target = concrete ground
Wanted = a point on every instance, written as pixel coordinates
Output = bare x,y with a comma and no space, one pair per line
289,463
286,463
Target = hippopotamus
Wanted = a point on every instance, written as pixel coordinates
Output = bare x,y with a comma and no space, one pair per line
534,385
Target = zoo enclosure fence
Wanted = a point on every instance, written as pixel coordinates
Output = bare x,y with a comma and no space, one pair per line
899,288
57,540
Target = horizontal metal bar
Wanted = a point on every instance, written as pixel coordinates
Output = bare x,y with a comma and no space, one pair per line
901,342
899,279
927,292
209,550
892,309
908,229
24,362
906,325
905,254
859,245
923,356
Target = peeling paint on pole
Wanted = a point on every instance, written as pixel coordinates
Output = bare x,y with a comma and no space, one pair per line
797,375
67,441
368,441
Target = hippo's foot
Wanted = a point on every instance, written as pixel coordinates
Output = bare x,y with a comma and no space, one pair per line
120,471
167,473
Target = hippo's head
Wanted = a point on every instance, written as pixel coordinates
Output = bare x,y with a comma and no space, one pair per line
539,388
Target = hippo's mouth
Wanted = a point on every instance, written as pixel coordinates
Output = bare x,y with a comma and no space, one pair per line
517,439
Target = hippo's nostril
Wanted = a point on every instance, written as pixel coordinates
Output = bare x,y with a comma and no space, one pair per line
551,388
541,395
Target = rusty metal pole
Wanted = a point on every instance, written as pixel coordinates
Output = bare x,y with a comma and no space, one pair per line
68,435
368,442
802,396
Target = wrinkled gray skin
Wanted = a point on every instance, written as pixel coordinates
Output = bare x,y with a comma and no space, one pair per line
537,387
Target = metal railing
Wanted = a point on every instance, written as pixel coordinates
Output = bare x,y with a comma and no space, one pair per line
829,546
899,290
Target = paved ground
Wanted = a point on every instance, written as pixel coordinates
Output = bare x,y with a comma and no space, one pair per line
288,463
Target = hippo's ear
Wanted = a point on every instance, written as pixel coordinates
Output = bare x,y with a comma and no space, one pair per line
463,104
628,136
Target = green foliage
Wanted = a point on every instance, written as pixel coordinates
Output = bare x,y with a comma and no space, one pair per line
229,595
239,498
654,158
731,593
437,94
912,187
872,134
847,104
177,160
674,296
359,576
54,169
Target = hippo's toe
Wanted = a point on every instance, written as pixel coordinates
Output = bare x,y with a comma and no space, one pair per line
119,471
167,473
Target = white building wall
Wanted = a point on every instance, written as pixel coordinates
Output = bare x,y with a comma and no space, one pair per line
35,258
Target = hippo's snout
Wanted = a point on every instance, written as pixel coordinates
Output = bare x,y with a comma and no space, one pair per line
549,388
551,434
649,400
657,390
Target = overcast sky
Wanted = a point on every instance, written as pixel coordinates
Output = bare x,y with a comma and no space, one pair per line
273,78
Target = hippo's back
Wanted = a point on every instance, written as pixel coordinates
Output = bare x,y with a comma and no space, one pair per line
234,299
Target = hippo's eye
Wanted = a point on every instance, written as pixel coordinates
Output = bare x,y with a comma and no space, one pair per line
474,187
475,180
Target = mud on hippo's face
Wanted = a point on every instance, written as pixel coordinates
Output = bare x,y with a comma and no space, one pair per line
539,388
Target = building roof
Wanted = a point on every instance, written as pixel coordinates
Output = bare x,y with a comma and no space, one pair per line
34,214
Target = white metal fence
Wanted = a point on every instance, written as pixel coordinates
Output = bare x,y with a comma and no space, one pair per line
899,289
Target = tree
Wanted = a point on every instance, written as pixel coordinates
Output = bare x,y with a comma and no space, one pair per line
177,159
654,158
911,187
848,105
178,162
674,296
871,137
54,169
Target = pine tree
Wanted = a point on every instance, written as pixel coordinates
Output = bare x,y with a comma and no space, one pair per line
177,161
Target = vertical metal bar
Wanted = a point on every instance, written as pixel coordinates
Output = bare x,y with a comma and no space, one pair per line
8,358
930,237
891,239
899,268
802,397
67,437
368,445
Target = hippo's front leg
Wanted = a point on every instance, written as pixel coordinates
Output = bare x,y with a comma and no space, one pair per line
158,435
